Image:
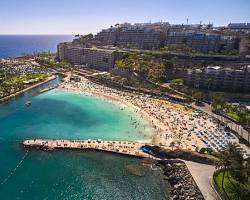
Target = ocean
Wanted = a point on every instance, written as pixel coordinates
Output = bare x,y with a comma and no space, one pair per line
18,45
71,175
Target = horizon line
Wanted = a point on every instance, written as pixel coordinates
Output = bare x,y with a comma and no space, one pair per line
38,34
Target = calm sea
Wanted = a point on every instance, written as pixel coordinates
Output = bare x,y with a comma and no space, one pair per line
16,45
71,174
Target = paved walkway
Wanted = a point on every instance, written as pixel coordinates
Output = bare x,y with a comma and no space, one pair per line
121,147
203,175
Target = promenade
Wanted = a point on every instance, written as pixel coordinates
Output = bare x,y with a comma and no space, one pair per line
121,147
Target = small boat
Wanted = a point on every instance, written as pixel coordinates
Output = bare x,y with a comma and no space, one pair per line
28,103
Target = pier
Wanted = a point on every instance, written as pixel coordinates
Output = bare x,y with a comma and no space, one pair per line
202,179
121,147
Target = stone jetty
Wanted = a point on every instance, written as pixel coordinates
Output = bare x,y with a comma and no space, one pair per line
121,147
182,184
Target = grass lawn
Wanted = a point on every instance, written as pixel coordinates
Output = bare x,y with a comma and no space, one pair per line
227,185
233,115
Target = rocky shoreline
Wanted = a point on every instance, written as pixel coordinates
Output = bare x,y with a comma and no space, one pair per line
183,186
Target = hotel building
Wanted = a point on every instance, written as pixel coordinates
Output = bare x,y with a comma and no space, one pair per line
239,26
157,35
127,35
70,53
201,42
216,78
102,59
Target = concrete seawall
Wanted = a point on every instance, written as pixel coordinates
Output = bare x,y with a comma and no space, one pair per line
131,149
121,147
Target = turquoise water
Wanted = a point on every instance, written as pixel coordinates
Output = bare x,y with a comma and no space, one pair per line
60,114
71,174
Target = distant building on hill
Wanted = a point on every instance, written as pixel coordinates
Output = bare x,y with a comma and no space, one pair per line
239,26
70,53
127,35
202,42
153,36
157,35
102,59
217,78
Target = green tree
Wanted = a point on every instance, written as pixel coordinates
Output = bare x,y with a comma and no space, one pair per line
232,164
223,164
248,120
178,82
248,40
157,73
198,96
218,101
147,65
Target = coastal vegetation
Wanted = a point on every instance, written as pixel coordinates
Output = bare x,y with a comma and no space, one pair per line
233,173
135,70
238,112
179,49
185,49
150,66
198,96
219,102
83,39
248,41
10,83
177,82
49,60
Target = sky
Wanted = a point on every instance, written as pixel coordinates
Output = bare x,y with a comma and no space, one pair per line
90,16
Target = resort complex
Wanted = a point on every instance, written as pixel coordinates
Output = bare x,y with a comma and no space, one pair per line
155,36
130,111
216,77
174,133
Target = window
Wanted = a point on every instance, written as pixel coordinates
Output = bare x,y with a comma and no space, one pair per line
106,60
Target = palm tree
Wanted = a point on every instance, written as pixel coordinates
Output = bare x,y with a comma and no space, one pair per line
223,164
248,120
198,96
209,82
218,101
231,162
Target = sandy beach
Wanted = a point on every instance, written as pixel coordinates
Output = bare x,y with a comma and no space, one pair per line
174,125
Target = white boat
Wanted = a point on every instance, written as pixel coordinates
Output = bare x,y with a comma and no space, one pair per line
28,103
